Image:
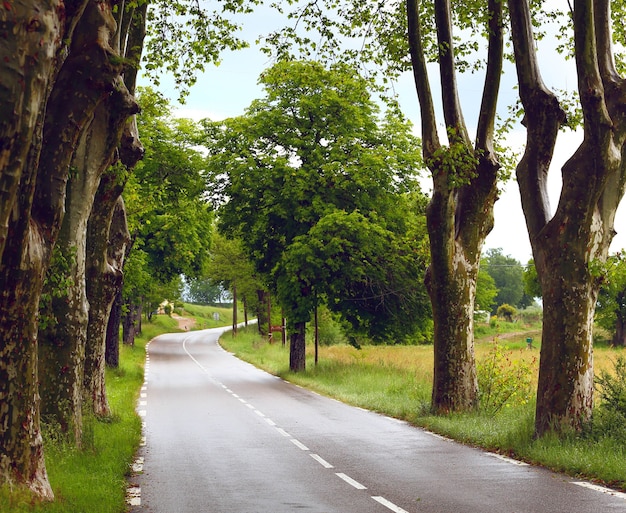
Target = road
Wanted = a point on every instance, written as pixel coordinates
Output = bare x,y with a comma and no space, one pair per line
224,437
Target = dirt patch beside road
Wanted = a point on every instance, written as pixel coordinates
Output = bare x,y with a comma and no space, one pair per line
184,323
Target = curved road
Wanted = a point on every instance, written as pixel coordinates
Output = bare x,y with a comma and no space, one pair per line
224,437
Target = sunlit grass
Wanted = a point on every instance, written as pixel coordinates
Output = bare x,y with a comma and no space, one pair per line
397,381
210,316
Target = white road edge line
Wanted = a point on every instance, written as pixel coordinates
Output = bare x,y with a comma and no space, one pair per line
351,481
270,421
601,489
389,505
321,460
299,444
507,459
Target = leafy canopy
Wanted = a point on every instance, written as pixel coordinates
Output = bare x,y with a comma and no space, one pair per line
312,155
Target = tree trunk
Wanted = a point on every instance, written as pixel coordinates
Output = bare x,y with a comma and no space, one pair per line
104,280
37,137
460,214
565,389
297,348
112,350
107,102
129,324
263,298
619,338
568,246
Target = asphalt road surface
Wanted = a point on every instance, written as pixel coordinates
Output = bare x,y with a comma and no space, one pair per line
224,437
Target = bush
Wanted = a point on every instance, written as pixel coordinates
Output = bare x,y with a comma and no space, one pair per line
330,330
507,312
503,381
611,413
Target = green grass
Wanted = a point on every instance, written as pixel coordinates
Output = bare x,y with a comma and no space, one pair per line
93,479
205,316
397,381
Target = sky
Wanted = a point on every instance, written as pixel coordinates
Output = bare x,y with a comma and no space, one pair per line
228,89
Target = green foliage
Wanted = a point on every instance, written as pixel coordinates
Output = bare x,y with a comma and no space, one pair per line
532,287
168,217
457,161
230,267
503,381
611,306
57,283
507,274
486,291
610,417
331,330
184,36
204,291
507,312
313,183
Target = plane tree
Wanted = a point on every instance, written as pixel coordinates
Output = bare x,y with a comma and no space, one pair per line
313,146
465,164
64,106
571,245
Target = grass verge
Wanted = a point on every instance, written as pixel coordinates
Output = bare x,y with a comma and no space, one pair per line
94,479
397,381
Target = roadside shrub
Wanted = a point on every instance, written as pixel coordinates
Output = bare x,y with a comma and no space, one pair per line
610,416
503,381
330,330
506,312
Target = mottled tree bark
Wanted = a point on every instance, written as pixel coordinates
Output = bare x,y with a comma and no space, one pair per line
570,246
104,279
33,172
107,104
460,214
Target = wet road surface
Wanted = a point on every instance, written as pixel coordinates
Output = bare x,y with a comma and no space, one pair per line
224,437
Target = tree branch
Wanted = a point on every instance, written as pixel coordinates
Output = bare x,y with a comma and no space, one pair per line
486,120
449,90
430,139
543,118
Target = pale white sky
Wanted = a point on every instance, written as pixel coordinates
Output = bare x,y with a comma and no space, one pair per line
226,90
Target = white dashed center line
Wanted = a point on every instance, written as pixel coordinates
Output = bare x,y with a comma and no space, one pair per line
390,505
298,444
321,461
351,481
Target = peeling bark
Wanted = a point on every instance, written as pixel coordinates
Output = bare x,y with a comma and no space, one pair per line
30,218
460,214
569,245
105,104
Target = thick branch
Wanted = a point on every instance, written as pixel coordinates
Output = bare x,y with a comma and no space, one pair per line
602,13
590,85
543,118
449,90
486,120
430,139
